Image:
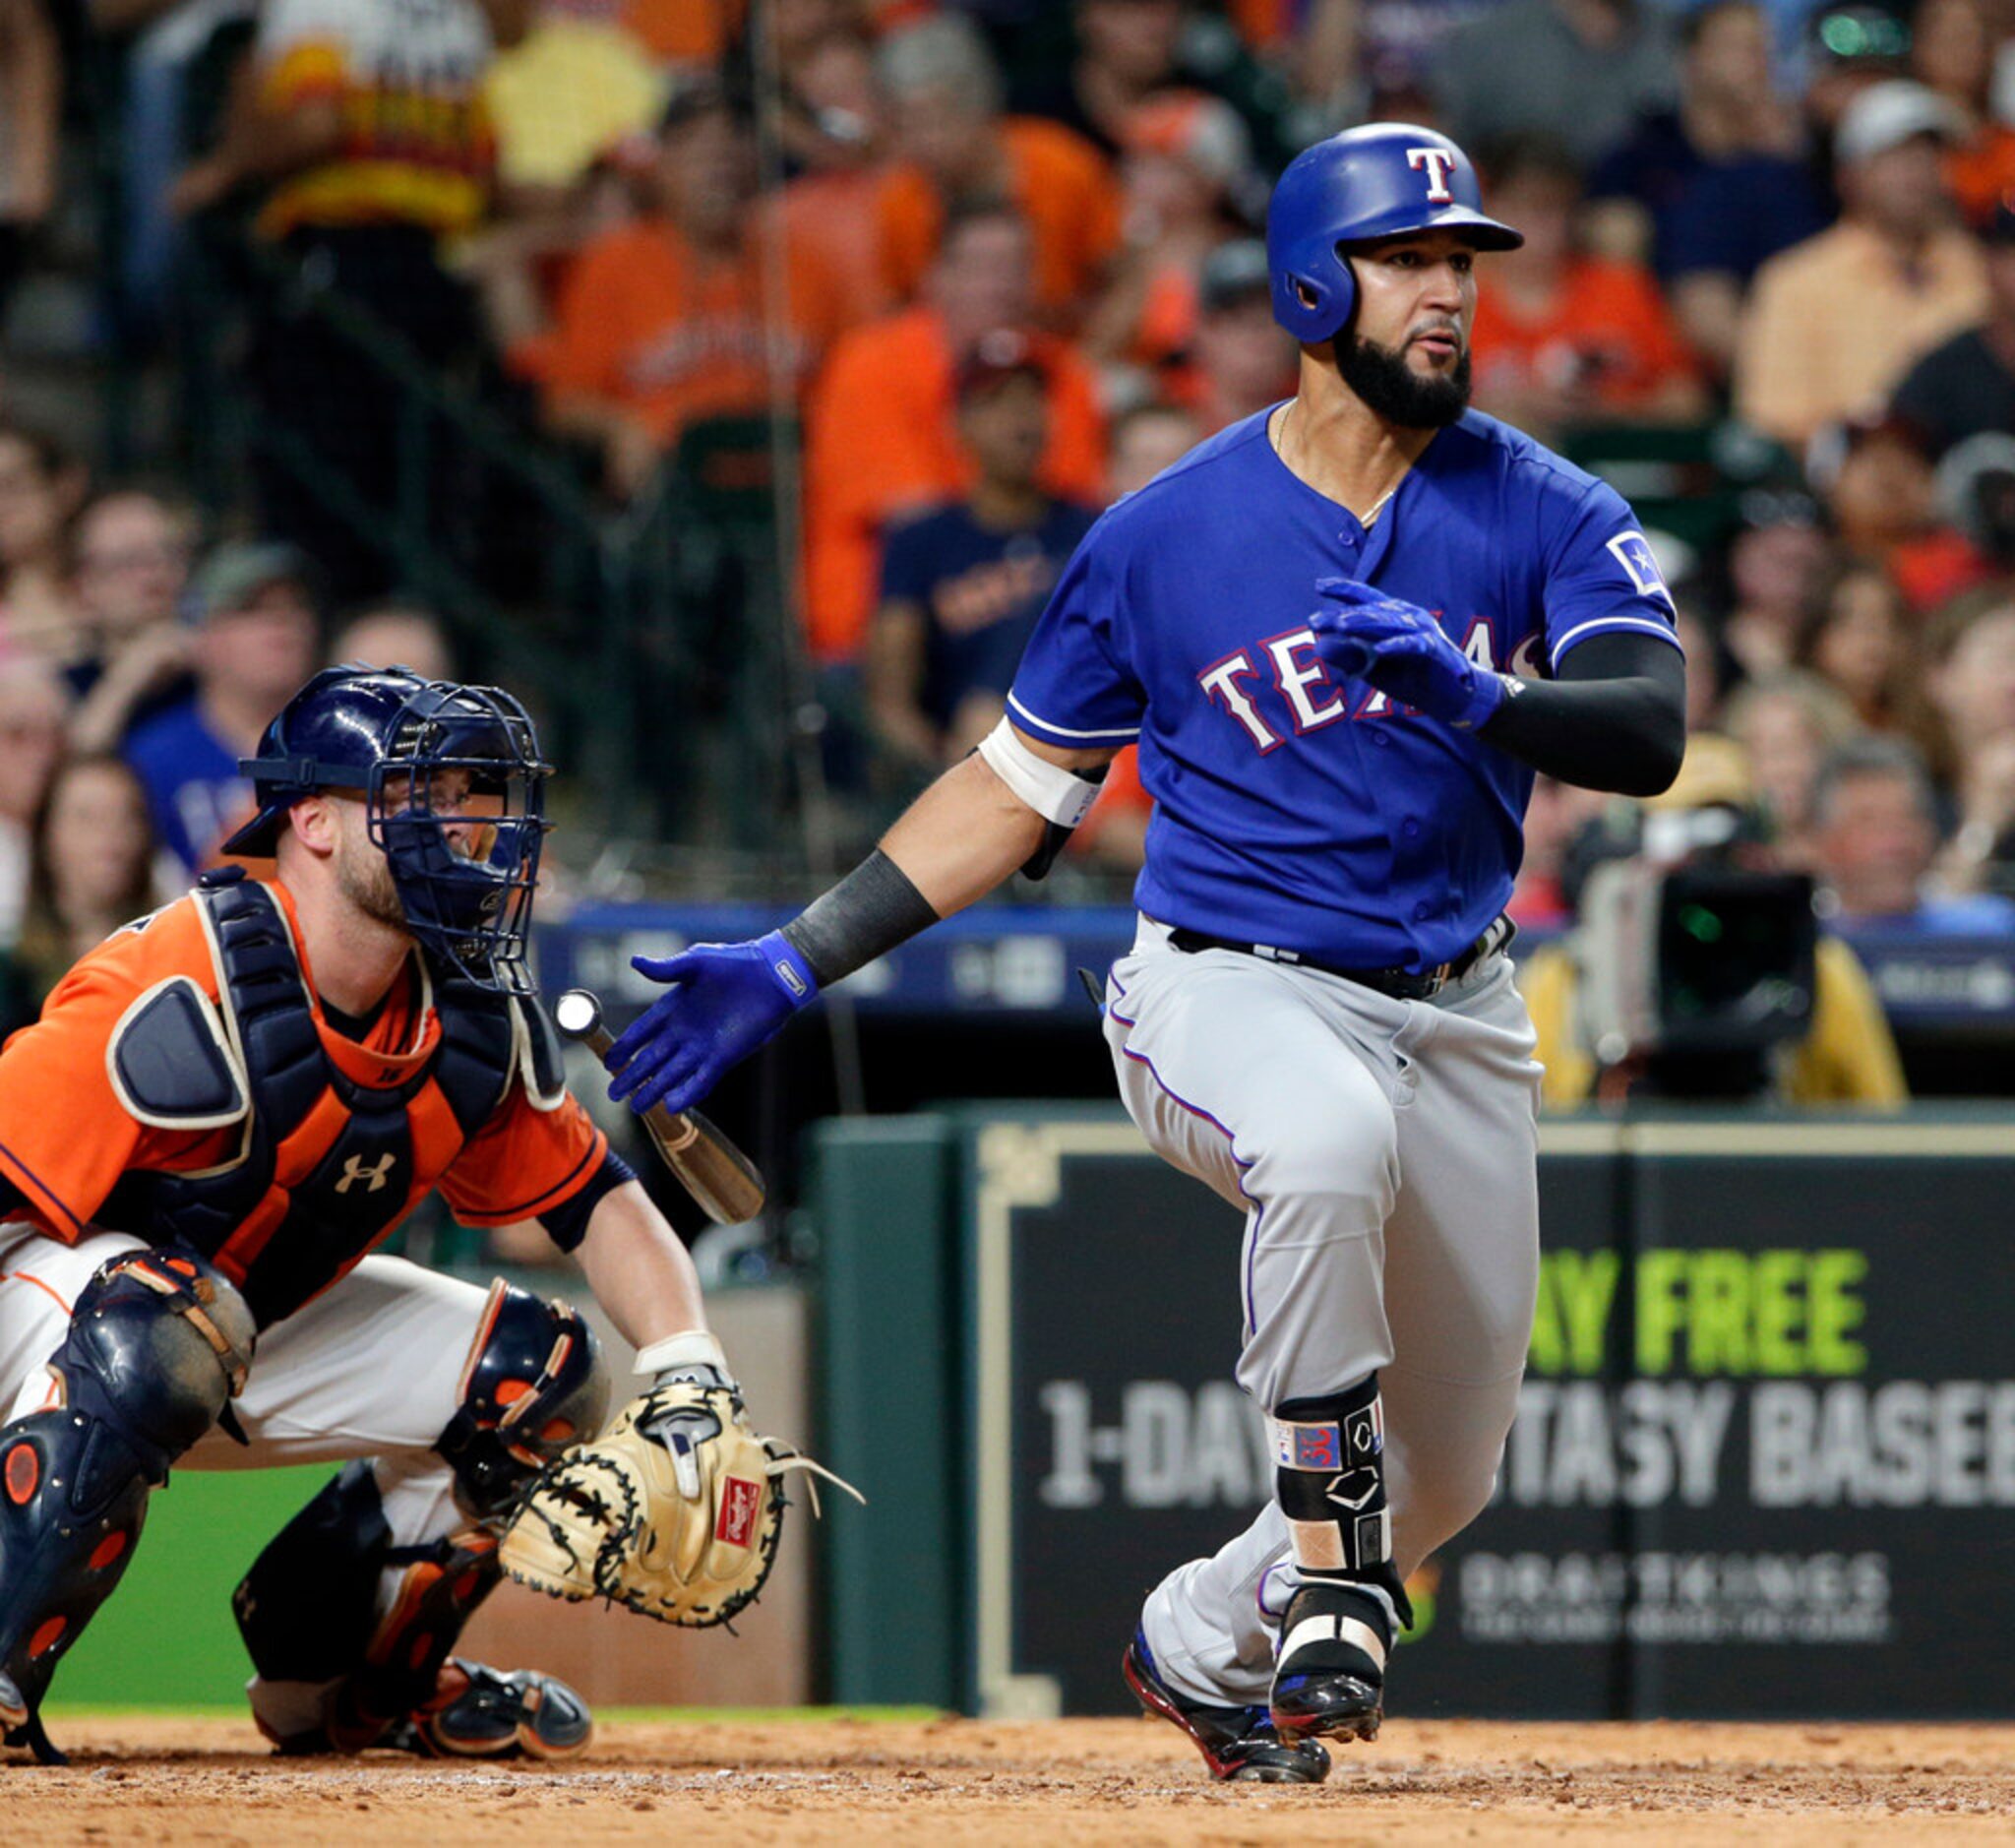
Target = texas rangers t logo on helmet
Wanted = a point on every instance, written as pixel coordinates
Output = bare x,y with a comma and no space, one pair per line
1436,162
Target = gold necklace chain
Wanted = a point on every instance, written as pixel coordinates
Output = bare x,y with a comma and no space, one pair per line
1280,448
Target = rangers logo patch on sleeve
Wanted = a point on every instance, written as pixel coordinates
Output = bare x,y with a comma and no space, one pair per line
1633,552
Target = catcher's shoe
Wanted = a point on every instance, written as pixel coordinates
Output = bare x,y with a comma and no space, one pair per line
1329,1678
474,1712
1239,1743
482,1712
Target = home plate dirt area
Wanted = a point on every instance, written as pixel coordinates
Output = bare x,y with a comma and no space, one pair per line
152,1780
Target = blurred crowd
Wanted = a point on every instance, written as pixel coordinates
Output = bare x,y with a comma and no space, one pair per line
1000,262
134,674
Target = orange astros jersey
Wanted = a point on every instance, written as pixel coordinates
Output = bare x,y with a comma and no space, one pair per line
183,1081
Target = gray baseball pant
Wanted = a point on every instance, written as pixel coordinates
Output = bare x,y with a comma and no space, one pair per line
1385,1154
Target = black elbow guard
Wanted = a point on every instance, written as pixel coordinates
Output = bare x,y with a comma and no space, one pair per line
1038,863
1055,833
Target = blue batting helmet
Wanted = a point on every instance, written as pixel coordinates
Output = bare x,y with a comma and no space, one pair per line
1371,182
465,873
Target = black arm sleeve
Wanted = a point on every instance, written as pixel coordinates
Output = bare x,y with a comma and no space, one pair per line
1615,718
870,911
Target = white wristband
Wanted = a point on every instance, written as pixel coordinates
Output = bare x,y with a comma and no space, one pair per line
694,1348
1053,792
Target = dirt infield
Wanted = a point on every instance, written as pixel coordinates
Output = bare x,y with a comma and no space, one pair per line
156,1781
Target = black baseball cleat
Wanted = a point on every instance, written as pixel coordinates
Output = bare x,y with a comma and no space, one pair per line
484,1713
474,1712
22,1725
1239,1743
1330,1677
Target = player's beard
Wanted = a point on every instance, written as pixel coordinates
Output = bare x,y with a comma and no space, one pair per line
1391,388
363,875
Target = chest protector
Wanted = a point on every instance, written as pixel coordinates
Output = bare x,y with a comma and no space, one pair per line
325,1166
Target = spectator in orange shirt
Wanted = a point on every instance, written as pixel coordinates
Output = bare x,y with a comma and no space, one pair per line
836,132
1952,51
880,434
1879,498
665,321
955,145
1875,485
1189,160
1562,338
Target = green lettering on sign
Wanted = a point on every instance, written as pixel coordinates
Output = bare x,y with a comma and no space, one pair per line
1834,1306
1661,1309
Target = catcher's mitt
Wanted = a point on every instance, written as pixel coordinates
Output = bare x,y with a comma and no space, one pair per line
674,1511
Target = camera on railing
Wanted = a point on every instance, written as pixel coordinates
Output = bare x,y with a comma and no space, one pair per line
1698,958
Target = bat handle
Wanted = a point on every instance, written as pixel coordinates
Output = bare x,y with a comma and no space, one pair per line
728,1186
676,1130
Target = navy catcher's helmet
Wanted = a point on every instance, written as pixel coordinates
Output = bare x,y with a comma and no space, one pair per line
465,876
1369,182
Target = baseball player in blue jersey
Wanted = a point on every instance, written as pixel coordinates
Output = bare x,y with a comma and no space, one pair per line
1345,633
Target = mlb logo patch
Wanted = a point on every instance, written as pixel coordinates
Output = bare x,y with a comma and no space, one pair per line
1317,1447
1633,552
740,1501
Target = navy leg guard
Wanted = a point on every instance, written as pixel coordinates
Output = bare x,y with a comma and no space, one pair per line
158,1345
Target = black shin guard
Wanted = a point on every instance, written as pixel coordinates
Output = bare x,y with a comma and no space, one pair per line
306,1608
532,1385
1338,1628
1330,1476
306,1611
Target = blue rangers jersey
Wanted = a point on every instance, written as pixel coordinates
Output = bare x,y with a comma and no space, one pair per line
1289,810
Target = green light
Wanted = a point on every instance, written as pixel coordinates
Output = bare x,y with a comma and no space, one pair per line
1848,35
1700,924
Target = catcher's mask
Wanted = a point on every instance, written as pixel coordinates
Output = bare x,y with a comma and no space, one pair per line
454,789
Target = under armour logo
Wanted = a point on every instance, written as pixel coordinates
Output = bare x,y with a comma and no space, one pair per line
1436,162
355,1170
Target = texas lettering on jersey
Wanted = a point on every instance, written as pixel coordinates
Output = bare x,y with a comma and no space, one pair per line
1311,699
1182,621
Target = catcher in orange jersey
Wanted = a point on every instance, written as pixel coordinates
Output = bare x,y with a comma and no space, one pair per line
222,1109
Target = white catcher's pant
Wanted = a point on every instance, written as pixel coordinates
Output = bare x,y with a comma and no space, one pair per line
1385,1155
371,1368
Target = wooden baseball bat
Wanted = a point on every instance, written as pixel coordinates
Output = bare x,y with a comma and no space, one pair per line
728,1186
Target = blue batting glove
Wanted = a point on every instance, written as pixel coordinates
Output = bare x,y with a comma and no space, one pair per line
725,1001
1402,651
